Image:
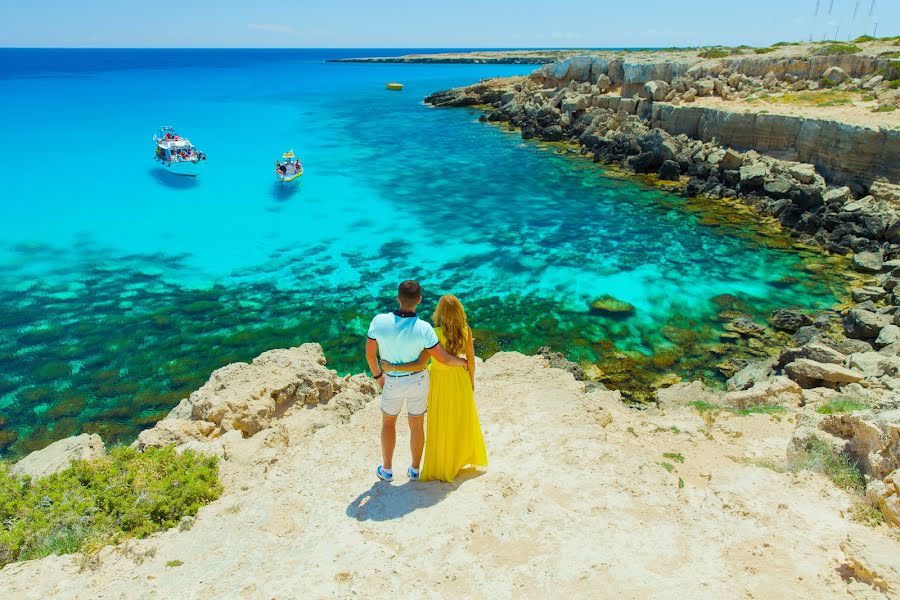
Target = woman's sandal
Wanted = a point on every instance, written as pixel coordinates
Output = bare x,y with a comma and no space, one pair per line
413,474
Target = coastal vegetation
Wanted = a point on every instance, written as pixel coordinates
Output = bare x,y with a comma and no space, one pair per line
823,98
837,48
836,406
127,494
704,407
818,456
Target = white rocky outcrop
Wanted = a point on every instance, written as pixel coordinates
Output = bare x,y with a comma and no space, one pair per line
59,455
250,397
304,516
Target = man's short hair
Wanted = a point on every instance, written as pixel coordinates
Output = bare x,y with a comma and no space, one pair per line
410,291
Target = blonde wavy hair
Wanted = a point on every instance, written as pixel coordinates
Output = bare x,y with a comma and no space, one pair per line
450,316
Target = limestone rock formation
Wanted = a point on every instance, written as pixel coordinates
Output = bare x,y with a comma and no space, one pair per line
778,390
873,439
250,397
804,370
789,320
59,455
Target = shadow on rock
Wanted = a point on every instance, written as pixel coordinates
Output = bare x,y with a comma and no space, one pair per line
384,502
174,180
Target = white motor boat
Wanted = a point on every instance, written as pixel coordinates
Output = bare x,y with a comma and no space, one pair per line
177,153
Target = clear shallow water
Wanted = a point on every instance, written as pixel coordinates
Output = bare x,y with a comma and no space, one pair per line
122,286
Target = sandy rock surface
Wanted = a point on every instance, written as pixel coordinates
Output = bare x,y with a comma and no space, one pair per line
59,455
575,503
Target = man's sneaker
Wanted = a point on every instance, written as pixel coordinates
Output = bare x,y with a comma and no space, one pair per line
413,474
384,474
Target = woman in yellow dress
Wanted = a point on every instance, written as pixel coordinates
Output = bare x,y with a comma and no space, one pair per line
453,437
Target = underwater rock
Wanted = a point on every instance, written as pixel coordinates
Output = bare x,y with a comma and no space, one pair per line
612,306
789,320
745,326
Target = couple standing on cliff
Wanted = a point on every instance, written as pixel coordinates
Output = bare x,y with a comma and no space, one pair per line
445,389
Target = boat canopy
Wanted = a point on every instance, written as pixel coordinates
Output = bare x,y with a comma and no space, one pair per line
289,154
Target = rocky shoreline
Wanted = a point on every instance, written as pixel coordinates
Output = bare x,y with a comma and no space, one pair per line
847,203
296,444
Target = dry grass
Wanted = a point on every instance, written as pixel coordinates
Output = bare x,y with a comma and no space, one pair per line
822,98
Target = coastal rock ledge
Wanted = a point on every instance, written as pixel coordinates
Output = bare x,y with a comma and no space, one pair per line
835,184
583,497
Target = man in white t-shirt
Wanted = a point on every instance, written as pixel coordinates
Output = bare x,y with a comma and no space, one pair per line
400,337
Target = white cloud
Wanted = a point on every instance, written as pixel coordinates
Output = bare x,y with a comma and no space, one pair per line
276,27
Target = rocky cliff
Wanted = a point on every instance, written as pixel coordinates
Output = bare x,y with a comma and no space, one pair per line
840,152
583,498
838,187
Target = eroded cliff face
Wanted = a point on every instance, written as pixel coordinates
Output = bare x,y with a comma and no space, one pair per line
840,152
631,72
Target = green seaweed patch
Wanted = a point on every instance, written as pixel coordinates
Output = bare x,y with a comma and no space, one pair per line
68,406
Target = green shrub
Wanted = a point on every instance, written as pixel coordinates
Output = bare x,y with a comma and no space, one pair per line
676,456
838,48
762,409
837,406
786,44
816,455
667,466
826,82
715,53
764,50
865,512
97,502
864,38
885,108
894,84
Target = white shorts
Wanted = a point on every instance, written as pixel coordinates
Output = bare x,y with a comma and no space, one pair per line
412,389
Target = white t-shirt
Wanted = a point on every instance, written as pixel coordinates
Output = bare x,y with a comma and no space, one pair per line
401,336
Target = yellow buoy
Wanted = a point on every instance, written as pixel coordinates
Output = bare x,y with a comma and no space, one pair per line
395,86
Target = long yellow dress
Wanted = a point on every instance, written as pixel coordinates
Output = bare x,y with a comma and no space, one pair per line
453,434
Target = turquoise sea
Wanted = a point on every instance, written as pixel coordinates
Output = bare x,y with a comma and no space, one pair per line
122,286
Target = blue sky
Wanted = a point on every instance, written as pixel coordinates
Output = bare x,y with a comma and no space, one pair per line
429,24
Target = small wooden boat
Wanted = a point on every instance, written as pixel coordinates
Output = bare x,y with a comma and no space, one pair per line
290,169
395,86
